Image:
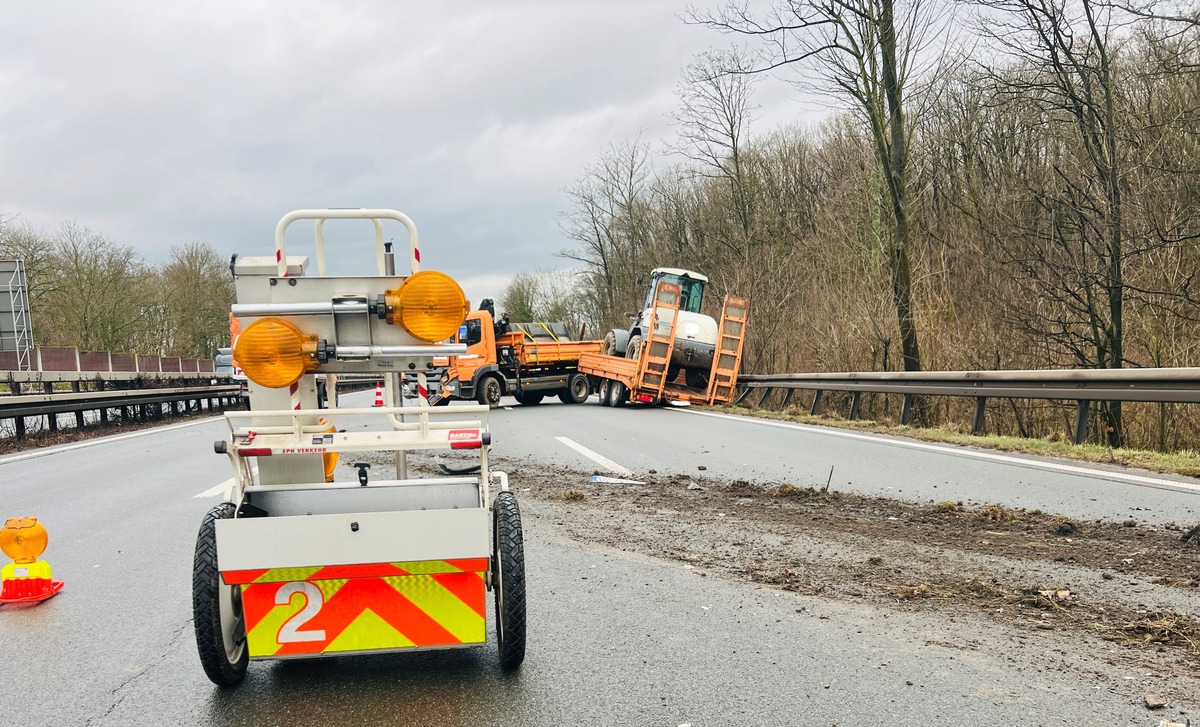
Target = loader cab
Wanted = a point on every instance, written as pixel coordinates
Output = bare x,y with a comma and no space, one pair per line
691,287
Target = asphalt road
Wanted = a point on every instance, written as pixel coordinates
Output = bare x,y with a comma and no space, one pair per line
615,639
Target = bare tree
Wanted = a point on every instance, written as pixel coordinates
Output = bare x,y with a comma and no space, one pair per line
714,116
866,53
1066,49
197,291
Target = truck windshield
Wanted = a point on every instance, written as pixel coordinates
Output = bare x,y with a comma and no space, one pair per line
691,295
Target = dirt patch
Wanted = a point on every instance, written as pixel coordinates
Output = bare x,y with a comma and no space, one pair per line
1133,586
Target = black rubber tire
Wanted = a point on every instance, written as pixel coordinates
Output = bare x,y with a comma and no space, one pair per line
489,392
602,392
696,379
224,659
577,391
508,578
608,346
634,349
530,398
618,394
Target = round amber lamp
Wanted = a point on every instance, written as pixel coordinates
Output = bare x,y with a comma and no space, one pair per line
274,353
23,539
430,305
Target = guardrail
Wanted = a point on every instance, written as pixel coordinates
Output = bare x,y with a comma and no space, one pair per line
93,394
1083,386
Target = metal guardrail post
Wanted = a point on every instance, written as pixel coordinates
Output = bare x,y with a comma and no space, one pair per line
1082,410
855,405
787,399
742,397
816,403
766,392
980,404
906,410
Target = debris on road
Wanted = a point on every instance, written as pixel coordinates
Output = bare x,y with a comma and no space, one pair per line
614,480
1155,701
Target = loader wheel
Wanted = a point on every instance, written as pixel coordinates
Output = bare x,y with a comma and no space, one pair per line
508,575
489,392
602,392
634,349
530,399
617,394
608,347
577,391
217,608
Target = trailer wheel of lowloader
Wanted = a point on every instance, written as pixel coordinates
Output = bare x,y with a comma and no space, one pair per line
577,391
618,394
217,608
508,578
602,392
530,398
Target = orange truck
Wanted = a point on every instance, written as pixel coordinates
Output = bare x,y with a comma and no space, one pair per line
528,361
650,372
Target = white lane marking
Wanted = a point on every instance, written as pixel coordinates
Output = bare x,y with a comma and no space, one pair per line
216,489
100,440
1132,479
224,487
597,458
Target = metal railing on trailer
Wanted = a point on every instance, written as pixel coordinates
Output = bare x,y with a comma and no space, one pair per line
1083,386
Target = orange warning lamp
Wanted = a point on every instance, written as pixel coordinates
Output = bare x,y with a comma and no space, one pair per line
274,353
429,305
26,579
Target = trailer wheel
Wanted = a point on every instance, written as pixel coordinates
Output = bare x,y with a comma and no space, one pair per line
617,394
577,391
529,398
217,608
602,392
490,392
634,348
508,575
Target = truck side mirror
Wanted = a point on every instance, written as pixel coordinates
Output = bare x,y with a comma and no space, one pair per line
633,316
641,279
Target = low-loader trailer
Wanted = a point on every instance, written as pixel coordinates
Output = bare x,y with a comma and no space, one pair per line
651,378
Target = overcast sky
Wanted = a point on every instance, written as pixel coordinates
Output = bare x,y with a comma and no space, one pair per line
161,122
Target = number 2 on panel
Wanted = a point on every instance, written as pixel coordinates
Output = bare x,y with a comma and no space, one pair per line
290,632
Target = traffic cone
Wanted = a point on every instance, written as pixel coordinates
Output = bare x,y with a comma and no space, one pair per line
378,393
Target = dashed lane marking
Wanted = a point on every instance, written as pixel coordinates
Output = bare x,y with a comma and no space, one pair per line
597,458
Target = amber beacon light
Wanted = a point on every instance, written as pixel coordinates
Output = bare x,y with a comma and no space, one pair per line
26,579
274,353
429,305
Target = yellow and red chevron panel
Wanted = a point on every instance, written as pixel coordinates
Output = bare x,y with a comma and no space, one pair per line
380,606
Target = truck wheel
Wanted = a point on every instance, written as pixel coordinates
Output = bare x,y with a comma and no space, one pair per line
490,392
617,394
577,391
634,349
217,608
696,379
508,575
530,399
602,392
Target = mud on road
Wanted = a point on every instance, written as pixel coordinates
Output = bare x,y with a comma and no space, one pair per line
1128,592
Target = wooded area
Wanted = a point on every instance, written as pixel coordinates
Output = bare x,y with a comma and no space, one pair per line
88,292
1013,186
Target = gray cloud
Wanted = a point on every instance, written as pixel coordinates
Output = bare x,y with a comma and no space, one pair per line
158,123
